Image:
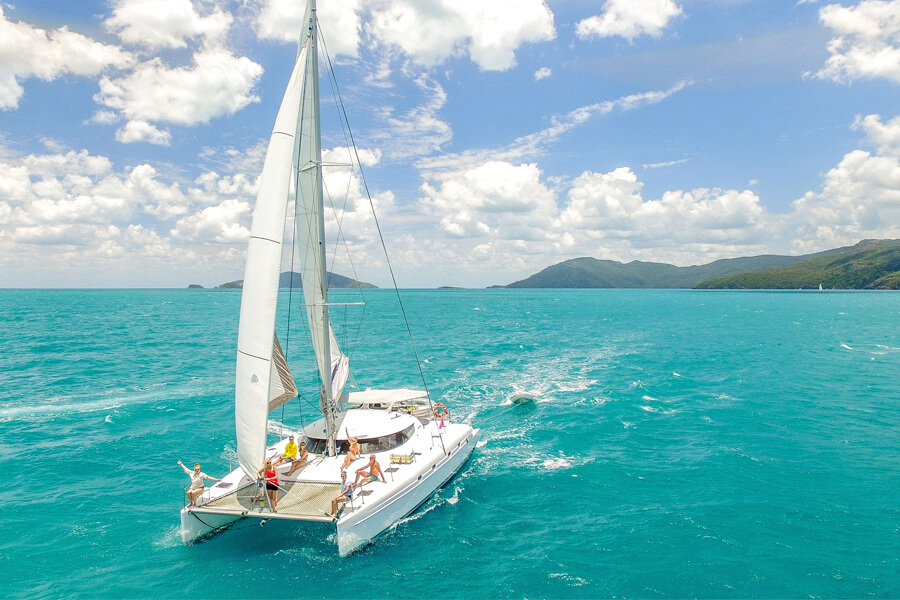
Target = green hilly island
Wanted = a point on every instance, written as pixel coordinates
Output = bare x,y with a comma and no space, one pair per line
292,279
870,264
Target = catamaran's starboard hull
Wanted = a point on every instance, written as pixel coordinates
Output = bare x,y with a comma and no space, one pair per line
363,526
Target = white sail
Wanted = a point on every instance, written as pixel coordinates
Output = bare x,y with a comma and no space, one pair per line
259,299
310,224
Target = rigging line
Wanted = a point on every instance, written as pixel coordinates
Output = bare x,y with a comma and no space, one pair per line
332,80
343,238
383,245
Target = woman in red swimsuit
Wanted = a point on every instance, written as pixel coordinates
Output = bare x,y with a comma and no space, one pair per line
271,483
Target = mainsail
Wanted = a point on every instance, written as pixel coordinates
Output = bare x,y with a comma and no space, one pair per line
263,381
259,299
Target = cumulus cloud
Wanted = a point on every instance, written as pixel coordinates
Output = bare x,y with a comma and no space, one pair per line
478,200
142,131
867,42
629,19
221,224
216,84
164,23
27,51
523,220
488,32
542,73
339,20
860,196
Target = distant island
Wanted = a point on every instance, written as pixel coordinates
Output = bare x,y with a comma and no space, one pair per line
870,264
292,279
195,286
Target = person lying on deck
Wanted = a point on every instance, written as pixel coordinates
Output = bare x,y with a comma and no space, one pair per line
373,474
197,478
301,461
289,454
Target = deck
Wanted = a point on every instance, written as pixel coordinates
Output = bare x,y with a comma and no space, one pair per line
299,500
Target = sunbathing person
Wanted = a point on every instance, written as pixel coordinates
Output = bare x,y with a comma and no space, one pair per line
352,453
373,474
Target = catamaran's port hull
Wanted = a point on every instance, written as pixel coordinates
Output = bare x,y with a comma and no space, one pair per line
196,527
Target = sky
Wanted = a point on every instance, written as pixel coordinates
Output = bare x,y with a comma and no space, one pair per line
497,137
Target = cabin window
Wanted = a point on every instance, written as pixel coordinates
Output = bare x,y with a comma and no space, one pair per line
366,445
387,442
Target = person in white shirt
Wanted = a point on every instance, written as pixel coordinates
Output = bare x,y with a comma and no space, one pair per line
197,477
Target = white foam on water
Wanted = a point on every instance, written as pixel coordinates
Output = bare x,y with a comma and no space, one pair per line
570,579
846,346
107,400
649,399
108,419
169,538
649,409
555,464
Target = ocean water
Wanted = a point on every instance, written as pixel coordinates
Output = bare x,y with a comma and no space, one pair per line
708,444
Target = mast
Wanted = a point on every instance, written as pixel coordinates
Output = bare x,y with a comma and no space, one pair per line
310,223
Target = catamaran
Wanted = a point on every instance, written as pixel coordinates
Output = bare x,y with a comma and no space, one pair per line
419,447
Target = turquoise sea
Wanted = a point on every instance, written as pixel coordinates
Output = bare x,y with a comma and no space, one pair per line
683,444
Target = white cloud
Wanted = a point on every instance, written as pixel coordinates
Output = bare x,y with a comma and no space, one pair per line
220,224
164,23
860,197
142,131
542,73
419,131
535,144
488,32
629,19
885,136
867,42
339,20
491,198
27,51
218,83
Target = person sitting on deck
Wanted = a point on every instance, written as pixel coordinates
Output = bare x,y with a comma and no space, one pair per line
271,476
373,474
289,454
345,495
352,453
197,478
300,462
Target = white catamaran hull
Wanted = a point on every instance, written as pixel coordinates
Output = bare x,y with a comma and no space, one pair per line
361,527
376,506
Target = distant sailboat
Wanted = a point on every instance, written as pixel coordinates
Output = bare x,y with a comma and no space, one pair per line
414,440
